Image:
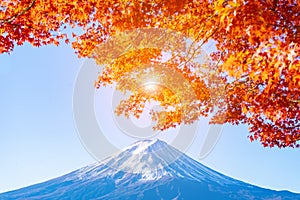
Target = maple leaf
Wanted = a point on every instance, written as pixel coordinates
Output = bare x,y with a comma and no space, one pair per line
256,62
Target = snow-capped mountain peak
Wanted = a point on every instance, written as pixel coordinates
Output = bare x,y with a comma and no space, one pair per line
149,158
149,169
145,146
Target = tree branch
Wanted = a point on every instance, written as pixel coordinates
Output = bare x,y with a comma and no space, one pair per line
294,100
239,81
12,18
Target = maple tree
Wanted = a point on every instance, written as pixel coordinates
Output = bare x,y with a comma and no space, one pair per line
256,64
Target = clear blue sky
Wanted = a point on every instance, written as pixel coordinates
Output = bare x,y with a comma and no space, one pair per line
38,138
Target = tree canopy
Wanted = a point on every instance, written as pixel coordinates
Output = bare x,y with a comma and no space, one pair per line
257,61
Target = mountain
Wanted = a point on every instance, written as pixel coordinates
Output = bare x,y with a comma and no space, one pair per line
148,169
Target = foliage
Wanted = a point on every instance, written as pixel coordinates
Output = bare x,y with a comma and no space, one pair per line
257,59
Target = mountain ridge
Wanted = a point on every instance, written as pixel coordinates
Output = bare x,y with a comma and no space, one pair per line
148,169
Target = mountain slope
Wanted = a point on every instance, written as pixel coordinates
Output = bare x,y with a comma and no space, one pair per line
149,169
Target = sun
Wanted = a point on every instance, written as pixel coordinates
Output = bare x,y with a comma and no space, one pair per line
150,86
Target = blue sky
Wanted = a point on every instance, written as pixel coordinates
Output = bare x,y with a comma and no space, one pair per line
38,138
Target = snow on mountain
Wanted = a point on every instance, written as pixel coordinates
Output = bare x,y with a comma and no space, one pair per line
148,169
